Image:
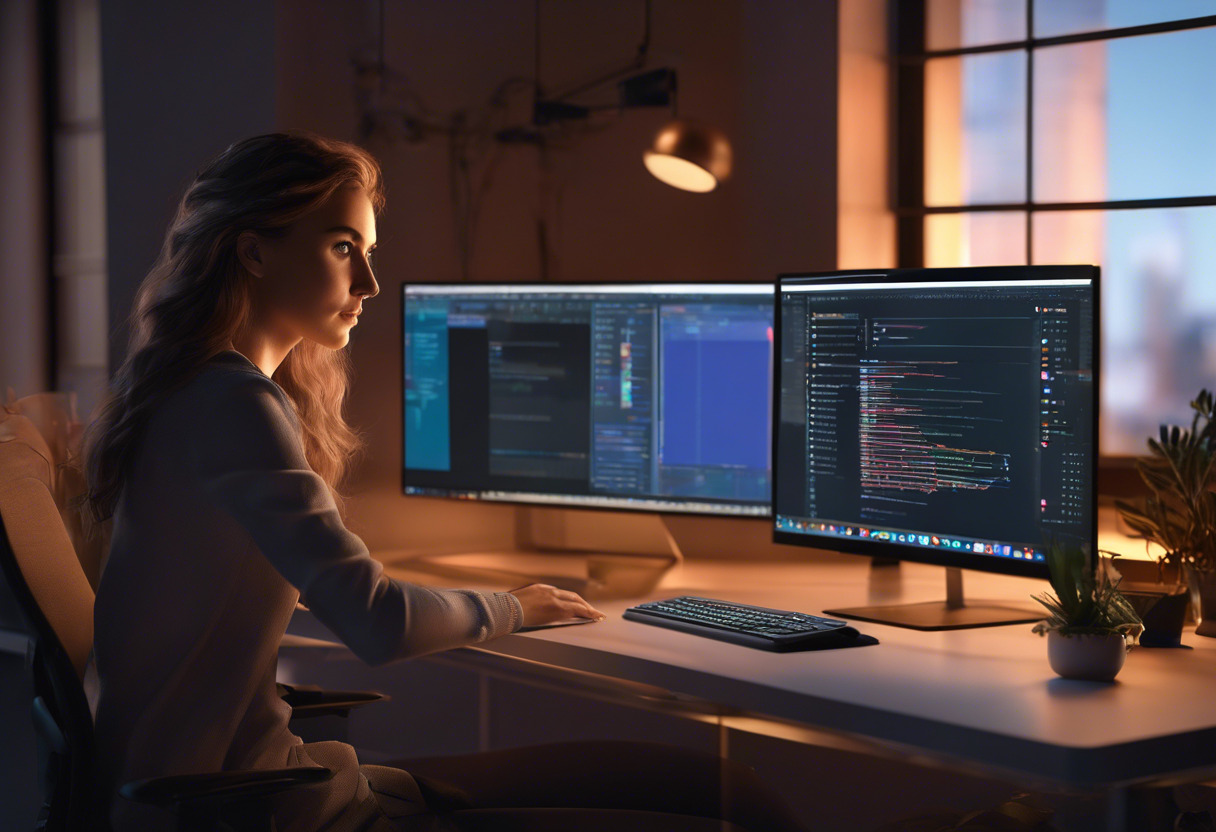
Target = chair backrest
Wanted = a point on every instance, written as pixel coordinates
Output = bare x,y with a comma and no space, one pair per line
41,568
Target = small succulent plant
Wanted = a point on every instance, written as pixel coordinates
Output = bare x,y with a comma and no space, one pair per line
1084,603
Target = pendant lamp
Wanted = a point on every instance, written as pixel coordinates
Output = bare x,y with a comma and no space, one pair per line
689,155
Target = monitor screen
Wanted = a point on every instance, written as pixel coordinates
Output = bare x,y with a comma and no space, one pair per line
939,415
620,396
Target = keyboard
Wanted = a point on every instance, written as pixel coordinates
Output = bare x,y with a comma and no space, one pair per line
767,629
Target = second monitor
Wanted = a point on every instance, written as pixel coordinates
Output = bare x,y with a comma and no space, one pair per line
940,415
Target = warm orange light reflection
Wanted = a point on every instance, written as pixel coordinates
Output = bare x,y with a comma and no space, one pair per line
944,139
865,224
1068,236
679,173
984,238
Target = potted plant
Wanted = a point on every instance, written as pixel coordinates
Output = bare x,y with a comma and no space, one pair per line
1090,626
1179,513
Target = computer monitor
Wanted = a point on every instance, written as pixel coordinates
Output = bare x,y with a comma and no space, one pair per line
939,415
652,397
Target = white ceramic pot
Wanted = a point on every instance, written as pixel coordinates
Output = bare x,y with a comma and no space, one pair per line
1094,658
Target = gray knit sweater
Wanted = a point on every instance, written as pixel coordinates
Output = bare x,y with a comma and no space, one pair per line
221,527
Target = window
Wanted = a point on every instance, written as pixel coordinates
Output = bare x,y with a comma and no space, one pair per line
1074,131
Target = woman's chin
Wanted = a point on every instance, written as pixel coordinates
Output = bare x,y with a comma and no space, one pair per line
332,340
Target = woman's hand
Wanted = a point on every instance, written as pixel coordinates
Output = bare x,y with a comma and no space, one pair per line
544,604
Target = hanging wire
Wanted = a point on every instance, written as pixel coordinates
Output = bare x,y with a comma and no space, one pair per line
382,63
536,47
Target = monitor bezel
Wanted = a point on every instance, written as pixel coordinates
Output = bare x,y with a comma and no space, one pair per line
895,550
686,509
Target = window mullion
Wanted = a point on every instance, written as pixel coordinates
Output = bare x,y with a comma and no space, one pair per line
1063,40
1029,132
909,146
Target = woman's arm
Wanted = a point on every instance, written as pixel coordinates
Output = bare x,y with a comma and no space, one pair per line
250,464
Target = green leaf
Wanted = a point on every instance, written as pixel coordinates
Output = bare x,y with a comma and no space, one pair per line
1083,601
1179,472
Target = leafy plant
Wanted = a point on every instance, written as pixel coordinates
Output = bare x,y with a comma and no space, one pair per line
1179,513
1084,604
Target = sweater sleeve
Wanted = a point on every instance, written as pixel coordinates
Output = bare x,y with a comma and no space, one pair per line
250,464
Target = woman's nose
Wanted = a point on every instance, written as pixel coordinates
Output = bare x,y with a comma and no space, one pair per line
365,284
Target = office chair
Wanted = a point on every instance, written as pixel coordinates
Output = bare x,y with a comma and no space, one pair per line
40,565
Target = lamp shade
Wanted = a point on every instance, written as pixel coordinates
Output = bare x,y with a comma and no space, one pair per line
689,155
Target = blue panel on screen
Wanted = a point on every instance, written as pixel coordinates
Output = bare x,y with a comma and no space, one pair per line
716,404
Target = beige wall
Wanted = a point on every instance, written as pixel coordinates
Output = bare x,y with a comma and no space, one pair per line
765,72
180,82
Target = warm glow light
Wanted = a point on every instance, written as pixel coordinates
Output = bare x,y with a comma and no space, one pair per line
689,155
865,223
679,173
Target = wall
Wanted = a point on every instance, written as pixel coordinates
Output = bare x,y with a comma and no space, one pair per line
764,72
181,81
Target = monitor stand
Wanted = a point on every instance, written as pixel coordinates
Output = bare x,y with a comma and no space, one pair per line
599,555
951,614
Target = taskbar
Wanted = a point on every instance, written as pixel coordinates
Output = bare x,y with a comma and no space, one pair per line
970,545
599,501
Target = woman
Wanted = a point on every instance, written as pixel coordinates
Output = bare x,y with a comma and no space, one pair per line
217,457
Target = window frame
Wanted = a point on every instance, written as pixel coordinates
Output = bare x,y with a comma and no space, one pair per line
1117,475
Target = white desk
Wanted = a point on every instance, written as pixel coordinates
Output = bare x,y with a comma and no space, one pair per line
984,702
983,697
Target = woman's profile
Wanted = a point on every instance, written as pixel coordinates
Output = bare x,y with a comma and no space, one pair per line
218,457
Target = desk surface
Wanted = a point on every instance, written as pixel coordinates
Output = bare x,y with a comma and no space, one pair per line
984,697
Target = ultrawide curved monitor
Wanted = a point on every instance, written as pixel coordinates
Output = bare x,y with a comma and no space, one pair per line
940,415
653,397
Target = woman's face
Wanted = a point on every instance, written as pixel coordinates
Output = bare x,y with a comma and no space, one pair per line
311,282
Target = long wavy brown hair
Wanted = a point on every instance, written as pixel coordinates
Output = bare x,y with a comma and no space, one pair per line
196,299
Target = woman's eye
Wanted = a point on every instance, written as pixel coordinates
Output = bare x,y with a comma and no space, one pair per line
343,248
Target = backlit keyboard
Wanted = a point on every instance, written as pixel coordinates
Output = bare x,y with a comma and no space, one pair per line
767,629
